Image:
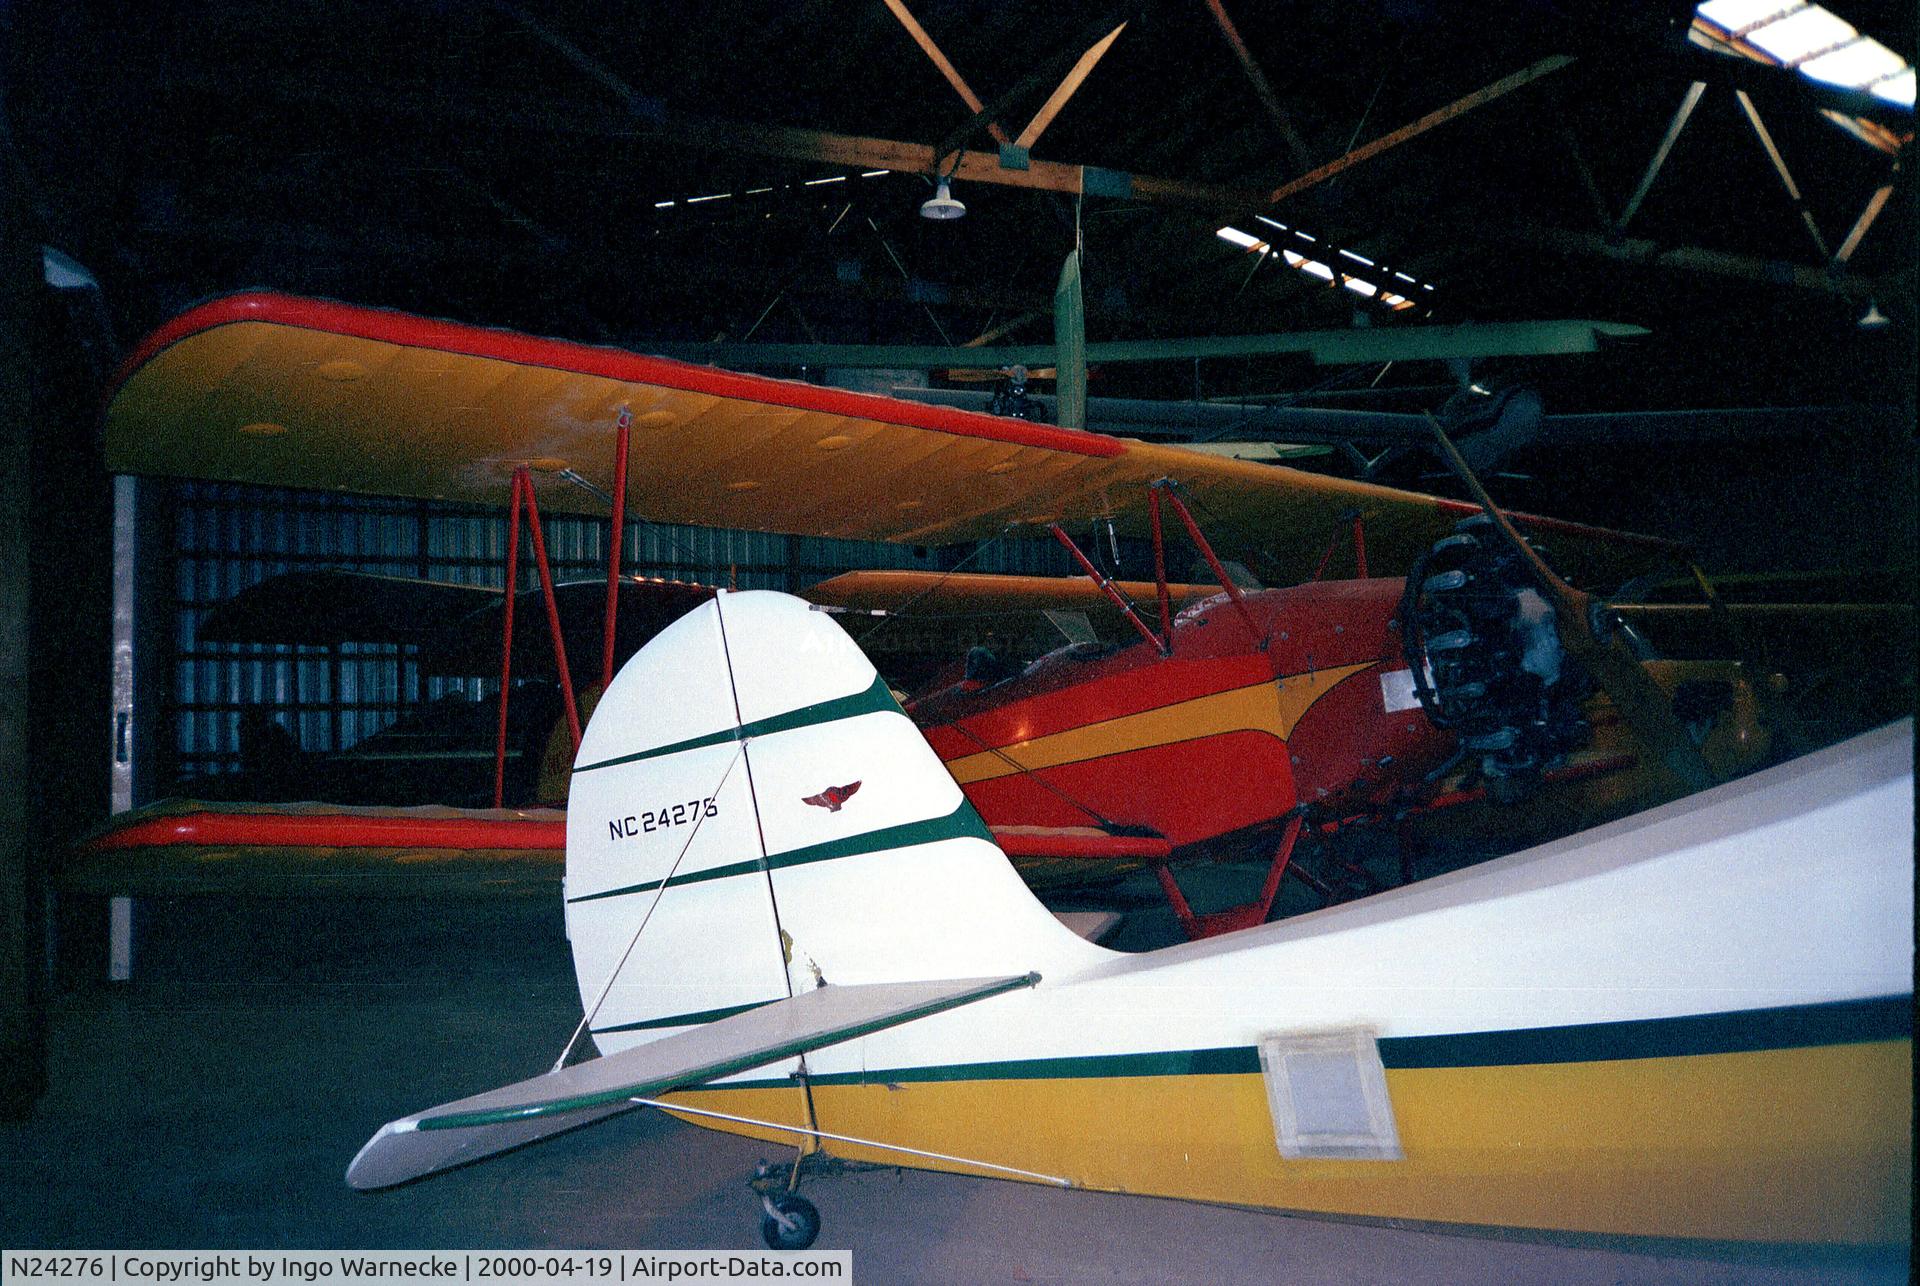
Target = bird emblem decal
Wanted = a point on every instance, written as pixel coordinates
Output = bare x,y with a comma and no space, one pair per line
832,797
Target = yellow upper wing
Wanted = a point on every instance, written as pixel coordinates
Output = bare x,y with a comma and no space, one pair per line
279,390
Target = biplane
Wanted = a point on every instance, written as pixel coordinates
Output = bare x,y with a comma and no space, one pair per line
1693,1022
1278,713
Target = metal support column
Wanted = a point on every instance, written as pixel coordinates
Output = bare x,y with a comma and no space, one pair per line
23,1060
121,714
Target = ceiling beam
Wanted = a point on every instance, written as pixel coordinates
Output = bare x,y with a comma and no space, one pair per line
1657,162
1871,211
945,65
1772,150
1036,78
977,167
1457,108
1068,86
1695,259
642,119
1262,88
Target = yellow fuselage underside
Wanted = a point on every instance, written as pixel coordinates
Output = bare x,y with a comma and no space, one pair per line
1808,1144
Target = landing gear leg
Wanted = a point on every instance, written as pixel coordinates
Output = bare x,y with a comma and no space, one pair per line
1247,914
790,1221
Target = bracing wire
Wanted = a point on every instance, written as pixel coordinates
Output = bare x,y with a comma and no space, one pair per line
901,611
587,1018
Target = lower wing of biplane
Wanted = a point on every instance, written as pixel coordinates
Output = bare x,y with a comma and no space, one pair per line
293,823
1696,1022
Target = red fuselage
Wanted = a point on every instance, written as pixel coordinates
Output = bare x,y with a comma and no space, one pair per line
1292,700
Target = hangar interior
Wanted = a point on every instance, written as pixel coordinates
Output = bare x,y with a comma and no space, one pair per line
1729,184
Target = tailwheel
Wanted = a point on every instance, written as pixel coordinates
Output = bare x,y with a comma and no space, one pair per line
791,1221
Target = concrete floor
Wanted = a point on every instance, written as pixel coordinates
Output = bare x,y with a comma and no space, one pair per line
216,1100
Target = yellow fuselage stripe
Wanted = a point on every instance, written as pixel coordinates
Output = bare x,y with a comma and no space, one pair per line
1273,706
1787,1144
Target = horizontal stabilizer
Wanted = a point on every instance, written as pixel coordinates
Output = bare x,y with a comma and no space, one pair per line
471,1128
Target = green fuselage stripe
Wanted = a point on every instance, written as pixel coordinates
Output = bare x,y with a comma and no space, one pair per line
1789,1027
875,699
757,1057
1843,1022
961,822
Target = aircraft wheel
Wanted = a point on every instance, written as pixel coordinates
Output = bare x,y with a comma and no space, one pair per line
791,1222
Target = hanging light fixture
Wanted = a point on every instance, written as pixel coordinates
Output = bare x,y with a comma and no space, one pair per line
942,205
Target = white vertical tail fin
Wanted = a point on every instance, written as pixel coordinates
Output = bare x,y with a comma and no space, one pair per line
750,791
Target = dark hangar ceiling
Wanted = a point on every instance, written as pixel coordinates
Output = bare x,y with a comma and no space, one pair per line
543,166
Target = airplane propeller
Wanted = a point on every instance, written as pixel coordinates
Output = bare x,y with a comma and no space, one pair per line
1581,621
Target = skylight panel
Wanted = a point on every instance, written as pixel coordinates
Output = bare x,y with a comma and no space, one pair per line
1896,89
1801,34
1316,268
1859,63
1738,15
1819,44
764,190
